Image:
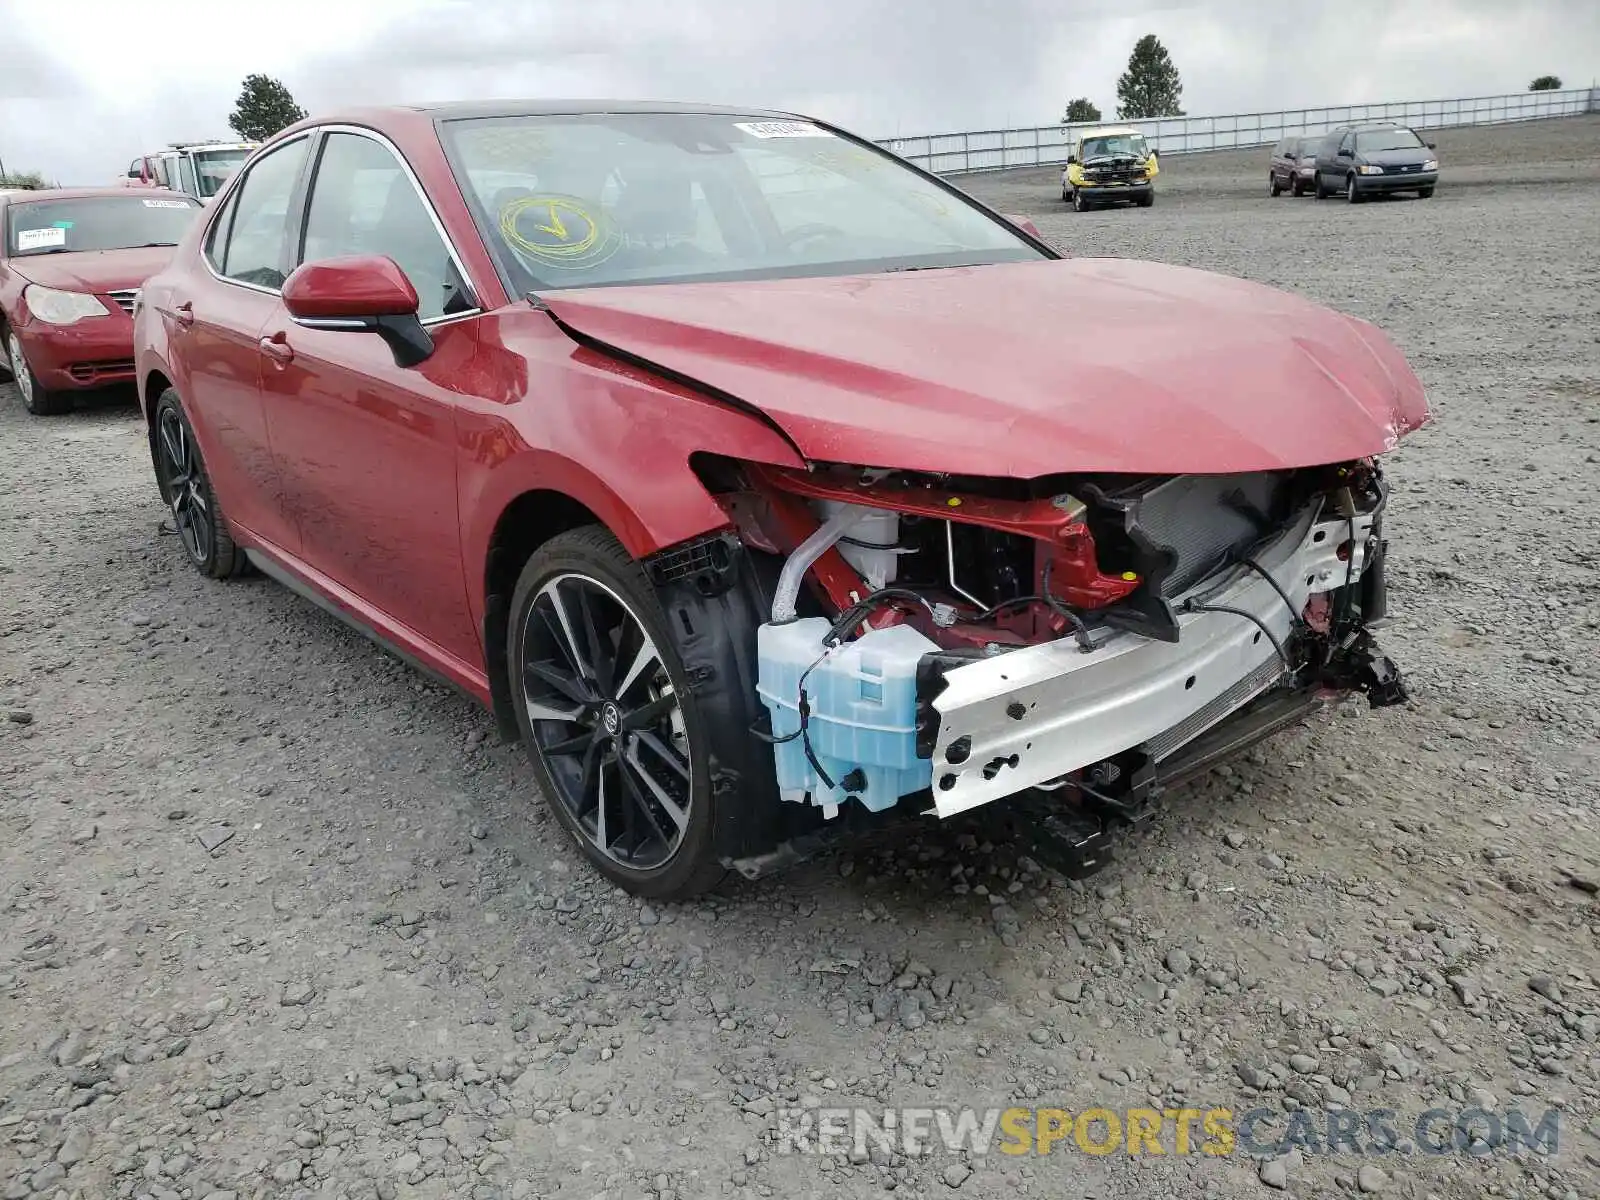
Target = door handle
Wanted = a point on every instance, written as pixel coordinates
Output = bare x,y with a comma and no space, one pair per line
184,313
277,349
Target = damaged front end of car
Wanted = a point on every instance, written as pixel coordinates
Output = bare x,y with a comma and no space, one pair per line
1075,644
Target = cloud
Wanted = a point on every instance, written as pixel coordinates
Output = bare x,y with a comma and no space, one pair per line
133,76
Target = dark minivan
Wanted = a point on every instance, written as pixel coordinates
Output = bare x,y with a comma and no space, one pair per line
1293,165
1365,160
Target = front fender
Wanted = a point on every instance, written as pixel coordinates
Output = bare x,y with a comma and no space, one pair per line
1075,174
608,434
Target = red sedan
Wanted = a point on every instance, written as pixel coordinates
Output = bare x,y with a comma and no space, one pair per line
71,263
761,483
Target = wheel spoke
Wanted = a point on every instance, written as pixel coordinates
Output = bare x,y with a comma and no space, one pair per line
564,635
650,713
549,674
679,817
549,712
572,745
197,497
647,655
594,638
642,805
600,812
174,454
665,753
589,782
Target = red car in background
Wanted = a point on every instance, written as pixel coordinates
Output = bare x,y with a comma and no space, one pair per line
761,483
71,265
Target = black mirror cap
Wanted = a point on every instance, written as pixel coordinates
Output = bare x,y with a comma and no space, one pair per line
1433,145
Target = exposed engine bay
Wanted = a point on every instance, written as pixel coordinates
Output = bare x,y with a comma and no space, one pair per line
967,639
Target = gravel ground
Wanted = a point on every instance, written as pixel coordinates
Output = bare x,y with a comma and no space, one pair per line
281,918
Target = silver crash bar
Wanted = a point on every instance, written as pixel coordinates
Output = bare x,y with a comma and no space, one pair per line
1033,715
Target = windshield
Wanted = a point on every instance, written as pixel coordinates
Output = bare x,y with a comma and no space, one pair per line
97,223
214,166
582,201
1120,143
1387,139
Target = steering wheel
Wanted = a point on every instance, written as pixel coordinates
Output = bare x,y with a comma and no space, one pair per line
814,229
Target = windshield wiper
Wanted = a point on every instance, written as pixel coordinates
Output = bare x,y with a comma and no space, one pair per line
149,245
42,253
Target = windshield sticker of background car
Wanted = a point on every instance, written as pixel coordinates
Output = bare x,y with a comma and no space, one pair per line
558,231
782,129
38,239
167,204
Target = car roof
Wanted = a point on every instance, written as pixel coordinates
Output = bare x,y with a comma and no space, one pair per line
87,193
467,110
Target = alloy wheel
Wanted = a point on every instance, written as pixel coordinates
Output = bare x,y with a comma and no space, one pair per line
20,375
607,721
184,486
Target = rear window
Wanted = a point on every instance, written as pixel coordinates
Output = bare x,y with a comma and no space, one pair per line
97,223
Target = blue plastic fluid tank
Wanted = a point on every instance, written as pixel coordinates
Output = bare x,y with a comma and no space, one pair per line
863,697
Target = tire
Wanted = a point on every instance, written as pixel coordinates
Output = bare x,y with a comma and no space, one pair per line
1352,191
1297,188
1147,200
1317,190
1079,204
186,489
1066,196
1425,193
35,397
654,779
1274,188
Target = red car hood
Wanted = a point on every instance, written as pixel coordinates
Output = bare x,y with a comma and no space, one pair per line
1027,369
96,271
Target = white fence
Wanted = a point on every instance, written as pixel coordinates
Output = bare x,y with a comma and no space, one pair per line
994,149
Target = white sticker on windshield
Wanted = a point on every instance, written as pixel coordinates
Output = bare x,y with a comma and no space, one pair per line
166,204
781,129
38,239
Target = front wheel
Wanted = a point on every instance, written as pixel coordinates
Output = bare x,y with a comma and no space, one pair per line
1425,193
1352,193
1274,188
1146,200
615,733
35,397
1079,204
186,487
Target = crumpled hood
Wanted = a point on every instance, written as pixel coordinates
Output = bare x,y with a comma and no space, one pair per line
97,271
1027,369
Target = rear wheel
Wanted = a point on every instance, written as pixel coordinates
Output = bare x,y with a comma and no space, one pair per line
35,397
186,488
615,733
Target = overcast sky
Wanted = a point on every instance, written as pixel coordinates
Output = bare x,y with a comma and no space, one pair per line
87,85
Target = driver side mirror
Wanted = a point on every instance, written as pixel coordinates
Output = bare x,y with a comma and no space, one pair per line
360,293
1345,152
1072,159
1432,145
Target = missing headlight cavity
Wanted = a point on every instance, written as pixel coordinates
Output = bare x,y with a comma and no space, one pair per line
707,563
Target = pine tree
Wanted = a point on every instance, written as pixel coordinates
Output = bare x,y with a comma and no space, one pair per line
1546,83
1150,87
264,107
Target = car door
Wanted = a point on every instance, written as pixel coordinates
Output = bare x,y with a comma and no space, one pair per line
217,315
367,449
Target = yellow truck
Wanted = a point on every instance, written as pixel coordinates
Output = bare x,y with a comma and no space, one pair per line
1111,164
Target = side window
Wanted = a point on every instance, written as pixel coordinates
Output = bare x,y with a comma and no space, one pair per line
217,235
259,231
183,167
363,202
161,172
1349,142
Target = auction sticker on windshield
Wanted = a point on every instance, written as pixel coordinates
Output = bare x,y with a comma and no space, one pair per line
166,204
38,239
782,129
